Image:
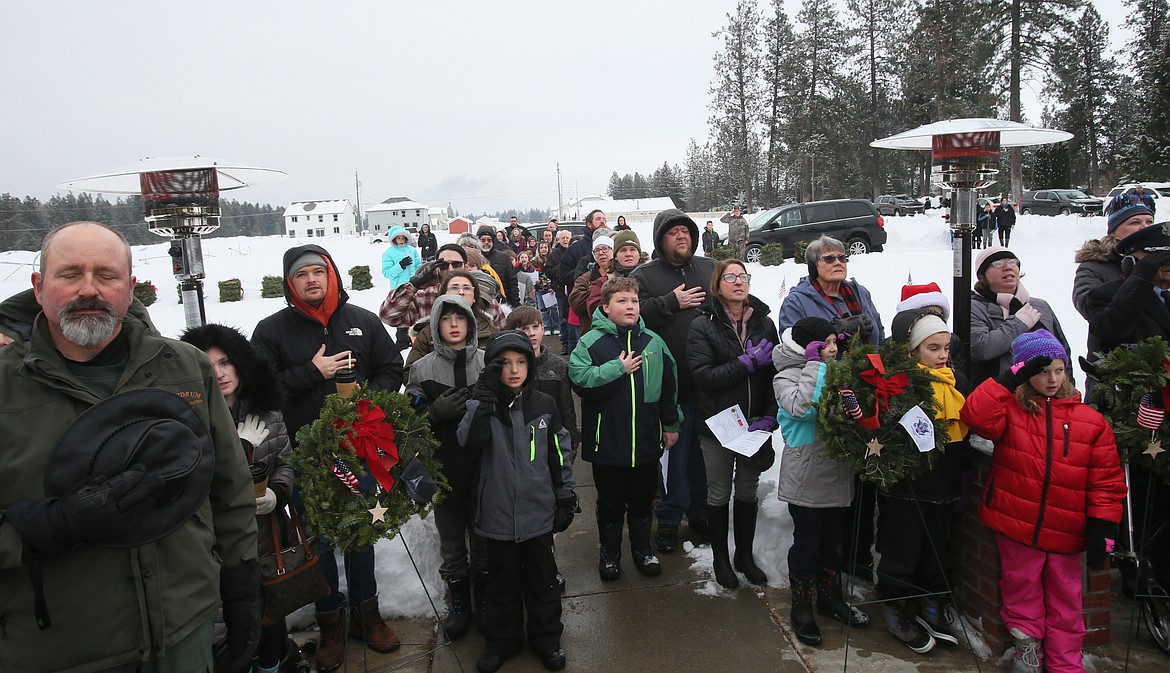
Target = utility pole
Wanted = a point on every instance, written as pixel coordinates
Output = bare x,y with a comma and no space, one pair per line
358,188
560,200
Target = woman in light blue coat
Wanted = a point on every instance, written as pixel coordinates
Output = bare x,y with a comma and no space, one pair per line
401,259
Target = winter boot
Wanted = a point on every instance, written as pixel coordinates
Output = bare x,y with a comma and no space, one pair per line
938,619
331,648
459,614
744,515
666,538
720,558
831,602
1029,657
641,548
905,629
494,657
802,619
366,625
700,526
479,597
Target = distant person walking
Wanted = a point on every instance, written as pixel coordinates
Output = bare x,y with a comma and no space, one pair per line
737,233
1004,217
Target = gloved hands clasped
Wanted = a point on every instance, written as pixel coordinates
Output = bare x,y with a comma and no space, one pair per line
756,355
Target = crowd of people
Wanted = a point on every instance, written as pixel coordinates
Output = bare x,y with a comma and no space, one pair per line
651,346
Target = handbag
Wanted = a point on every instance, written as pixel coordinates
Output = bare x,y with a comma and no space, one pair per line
290,576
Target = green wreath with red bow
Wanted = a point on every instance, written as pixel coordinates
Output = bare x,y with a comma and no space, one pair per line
1133,392
867,392
350,464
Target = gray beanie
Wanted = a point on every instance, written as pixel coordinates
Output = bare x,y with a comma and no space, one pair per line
308,259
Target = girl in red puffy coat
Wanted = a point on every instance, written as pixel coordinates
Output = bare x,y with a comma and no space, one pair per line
1055,489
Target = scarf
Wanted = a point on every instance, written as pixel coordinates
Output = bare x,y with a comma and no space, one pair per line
949,401
1008,303
324,312
847,294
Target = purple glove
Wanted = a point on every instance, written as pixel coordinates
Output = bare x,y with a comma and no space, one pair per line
767,424
748,361
813,350
762,352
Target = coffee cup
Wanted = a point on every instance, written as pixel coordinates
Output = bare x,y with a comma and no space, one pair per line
346,381
259,478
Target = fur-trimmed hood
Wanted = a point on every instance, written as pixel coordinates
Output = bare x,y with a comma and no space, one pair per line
1098,250
259,390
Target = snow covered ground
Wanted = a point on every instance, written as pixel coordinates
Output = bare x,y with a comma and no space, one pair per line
918,247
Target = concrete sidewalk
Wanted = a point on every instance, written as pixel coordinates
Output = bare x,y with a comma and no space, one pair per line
682,621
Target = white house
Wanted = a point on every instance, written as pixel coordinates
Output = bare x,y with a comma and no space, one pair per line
396,211
306,219
634,210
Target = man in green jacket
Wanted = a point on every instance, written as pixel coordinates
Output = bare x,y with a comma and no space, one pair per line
68,603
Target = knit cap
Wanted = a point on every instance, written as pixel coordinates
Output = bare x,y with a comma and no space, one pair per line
624,238
921,296
308,259
808,330
601,231
1123,207
989,255
929,323
485,231
602,240
1040,342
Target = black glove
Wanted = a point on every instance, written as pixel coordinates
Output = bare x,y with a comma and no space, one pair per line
1099,538
1014,379
239,589
854,324
1148,266
427,274
488,383
764,458
102,510
404,262
450,405
563,516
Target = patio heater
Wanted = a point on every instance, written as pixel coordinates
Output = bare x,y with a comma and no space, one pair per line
964,160
180,201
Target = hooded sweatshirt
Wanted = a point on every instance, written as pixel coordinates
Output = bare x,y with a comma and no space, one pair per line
291,337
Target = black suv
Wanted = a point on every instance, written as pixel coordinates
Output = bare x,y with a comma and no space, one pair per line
854,221
1059,202
898,204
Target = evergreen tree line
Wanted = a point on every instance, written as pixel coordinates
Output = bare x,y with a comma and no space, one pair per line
795,101
24,222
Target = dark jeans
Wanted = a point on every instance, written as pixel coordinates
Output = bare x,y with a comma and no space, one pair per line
359,577
522,576
626,492
912,539
815,535
686,475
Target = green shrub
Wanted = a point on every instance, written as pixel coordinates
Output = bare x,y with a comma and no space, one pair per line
145,292
799,248
230,290
360,278
722,252
271,286
772,254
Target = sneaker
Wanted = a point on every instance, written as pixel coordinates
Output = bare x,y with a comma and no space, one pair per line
938,620
1029,657
906,630
666,537
609,568
647,563
553,660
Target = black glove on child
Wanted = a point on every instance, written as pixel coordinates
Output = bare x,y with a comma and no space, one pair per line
449,406
53,526
488,383
1014,379
427,274
404,262
1099,539
563,516
239,589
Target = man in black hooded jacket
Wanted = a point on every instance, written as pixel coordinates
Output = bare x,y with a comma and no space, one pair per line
501,264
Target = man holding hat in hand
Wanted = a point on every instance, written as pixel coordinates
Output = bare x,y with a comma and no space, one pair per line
126,506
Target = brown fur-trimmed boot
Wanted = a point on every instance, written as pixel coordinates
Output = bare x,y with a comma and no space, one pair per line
331,648
366,625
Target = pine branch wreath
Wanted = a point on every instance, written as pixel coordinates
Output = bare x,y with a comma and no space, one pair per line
332,508
1124,376
849,441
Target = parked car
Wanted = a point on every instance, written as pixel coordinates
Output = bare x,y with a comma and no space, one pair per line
578,229
898,204
1156,190
1059,202
854,221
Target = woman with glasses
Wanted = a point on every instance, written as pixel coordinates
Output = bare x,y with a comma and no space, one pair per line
1001,310
826,293
729,351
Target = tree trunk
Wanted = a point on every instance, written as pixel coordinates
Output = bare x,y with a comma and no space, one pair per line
1017,156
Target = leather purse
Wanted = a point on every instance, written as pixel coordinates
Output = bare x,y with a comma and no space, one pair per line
290,576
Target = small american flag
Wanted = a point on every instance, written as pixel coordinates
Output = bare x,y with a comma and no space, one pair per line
1150,413
338,467
783,288
852,406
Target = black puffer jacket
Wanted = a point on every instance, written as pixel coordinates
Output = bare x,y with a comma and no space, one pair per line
289,339
722,380
428,245
656,282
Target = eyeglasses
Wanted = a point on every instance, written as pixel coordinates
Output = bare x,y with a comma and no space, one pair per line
829,259
732,277
999,263
461,289
444,265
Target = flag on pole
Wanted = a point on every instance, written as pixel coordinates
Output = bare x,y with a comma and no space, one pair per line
783,288
338,468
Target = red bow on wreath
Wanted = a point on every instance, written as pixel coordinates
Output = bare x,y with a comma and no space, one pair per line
883,388
372,439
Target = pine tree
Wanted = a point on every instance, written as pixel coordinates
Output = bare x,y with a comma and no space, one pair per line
615,186
778,104
736,94
1154,144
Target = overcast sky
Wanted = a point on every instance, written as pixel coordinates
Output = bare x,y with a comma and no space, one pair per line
467,103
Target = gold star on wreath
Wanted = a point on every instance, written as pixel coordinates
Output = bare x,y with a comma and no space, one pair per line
378,512
1154,449
875,448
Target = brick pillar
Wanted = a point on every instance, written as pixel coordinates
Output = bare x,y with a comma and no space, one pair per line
976,574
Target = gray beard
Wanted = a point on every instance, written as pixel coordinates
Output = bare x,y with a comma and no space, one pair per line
88,330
